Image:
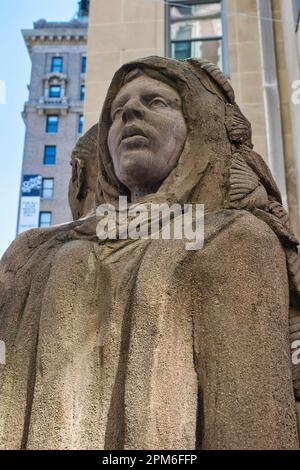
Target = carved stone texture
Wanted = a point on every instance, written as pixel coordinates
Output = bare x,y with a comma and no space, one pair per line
140,344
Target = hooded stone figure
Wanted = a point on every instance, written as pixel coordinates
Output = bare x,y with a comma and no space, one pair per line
141,344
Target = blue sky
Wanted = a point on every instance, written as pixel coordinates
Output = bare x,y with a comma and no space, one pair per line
15,72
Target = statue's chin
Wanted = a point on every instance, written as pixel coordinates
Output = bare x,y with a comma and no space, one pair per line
140,167
137,174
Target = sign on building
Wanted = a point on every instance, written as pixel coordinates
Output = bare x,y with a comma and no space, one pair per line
30,202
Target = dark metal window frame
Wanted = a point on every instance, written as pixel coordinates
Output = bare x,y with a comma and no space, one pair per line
202,39
50,156
223,38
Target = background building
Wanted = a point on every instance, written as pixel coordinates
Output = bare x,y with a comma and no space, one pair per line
53,116
288,57
255,43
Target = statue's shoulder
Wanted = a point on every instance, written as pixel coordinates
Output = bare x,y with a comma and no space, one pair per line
18,262
23,246
67,238
242,247
34,254
247,226
27,243
240,228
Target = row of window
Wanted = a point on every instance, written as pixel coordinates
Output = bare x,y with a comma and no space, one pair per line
197,30
53,120
57,64
45,217
50,150
55,92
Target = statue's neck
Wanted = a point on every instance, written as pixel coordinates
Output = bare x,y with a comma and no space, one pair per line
139,193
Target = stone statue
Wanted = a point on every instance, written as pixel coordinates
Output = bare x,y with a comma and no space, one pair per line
141,344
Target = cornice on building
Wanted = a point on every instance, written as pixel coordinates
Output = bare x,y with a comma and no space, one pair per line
75,31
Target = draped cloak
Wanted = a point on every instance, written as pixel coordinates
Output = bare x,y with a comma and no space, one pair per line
142,344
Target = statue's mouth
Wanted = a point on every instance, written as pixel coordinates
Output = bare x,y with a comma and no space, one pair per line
130,132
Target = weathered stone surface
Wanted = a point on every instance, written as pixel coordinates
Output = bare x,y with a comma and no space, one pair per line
141,344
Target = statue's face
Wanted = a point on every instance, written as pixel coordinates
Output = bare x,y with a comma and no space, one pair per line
147,134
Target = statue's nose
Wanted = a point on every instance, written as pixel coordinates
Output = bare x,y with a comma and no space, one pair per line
132,109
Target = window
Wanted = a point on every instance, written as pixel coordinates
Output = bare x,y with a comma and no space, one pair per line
54,91
45,219
196,30
50,155
47,188
52,124
57,64
80,126
82,92
83,64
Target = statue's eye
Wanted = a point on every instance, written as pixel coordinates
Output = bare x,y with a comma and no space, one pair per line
117,113
158,103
